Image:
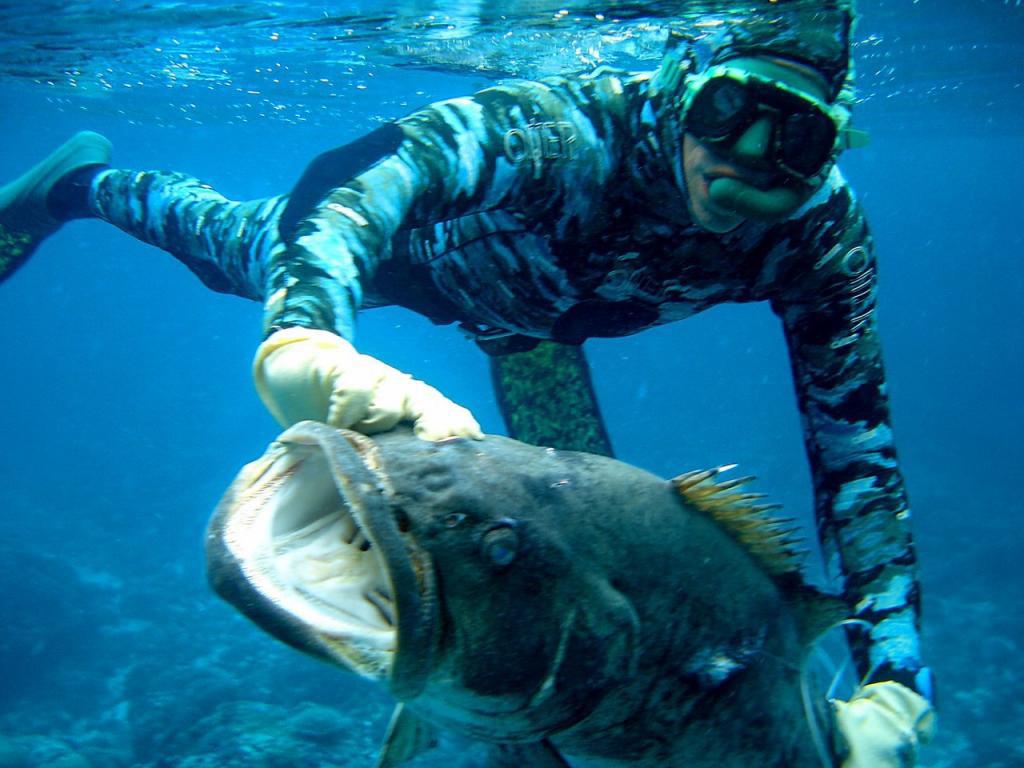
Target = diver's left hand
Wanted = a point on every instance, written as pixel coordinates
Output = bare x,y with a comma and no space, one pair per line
883,724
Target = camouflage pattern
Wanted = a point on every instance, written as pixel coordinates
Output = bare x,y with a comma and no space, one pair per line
558,210
223,242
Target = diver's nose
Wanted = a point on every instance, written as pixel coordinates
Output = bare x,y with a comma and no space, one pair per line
751,147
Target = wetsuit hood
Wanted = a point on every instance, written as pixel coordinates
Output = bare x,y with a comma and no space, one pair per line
817,37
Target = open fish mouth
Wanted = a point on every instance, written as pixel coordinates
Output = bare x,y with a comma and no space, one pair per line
304,545
301,547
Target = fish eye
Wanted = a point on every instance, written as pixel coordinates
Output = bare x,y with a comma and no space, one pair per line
453,519
500,546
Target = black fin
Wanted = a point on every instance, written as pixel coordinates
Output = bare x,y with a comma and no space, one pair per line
332,169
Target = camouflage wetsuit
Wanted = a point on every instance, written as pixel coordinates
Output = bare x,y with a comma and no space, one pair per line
557,209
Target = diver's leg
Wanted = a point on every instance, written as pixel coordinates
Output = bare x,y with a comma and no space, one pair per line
233,247
229,245
225,243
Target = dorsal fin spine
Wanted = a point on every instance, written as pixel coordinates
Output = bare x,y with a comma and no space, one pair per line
774,542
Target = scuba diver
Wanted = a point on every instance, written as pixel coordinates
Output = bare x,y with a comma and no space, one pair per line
537,214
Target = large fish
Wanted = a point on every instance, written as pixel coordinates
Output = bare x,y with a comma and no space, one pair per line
554,604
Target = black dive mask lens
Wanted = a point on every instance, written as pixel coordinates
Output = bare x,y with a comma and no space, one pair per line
804,142
721,110
803,135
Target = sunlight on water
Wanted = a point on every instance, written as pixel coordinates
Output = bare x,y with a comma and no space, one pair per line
292,61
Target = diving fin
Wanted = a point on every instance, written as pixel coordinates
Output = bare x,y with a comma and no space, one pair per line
25,218
546,398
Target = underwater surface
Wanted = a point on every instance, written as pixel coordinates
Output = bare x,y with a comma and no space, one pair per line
127,405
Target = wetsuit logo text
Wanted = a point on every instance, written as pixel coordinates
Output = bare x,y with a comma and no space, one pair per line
540,141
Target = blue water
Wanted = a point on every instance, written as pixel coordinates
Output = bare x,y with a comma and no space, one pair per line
127,405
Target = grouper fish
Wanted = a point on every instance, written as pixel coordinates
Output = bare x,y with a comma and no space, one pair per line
557,605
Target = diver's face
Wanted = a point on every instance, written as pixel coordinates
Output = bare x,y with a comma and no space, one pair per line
745,160
701,166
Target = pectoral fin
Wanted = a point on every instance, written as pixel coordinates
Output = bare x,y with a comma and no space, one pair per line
407,737
539,754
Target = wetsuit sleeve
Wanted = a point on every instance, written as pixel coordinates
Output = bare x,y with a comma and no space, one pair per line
862,513
316,280
529,148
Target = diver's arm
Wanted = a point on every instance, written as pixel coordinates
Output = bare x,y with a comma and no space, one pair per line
520,147
539,149
306,367
862,512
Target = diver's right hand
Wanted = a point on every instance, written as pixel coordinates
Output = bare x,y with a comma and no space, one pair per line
309,374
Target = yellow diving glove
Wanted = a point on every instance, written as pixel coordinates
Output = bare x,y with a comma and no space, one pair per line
309,374
883,724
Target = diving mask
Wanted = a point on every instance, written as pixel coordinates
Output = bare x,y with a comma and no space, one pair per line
807,133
